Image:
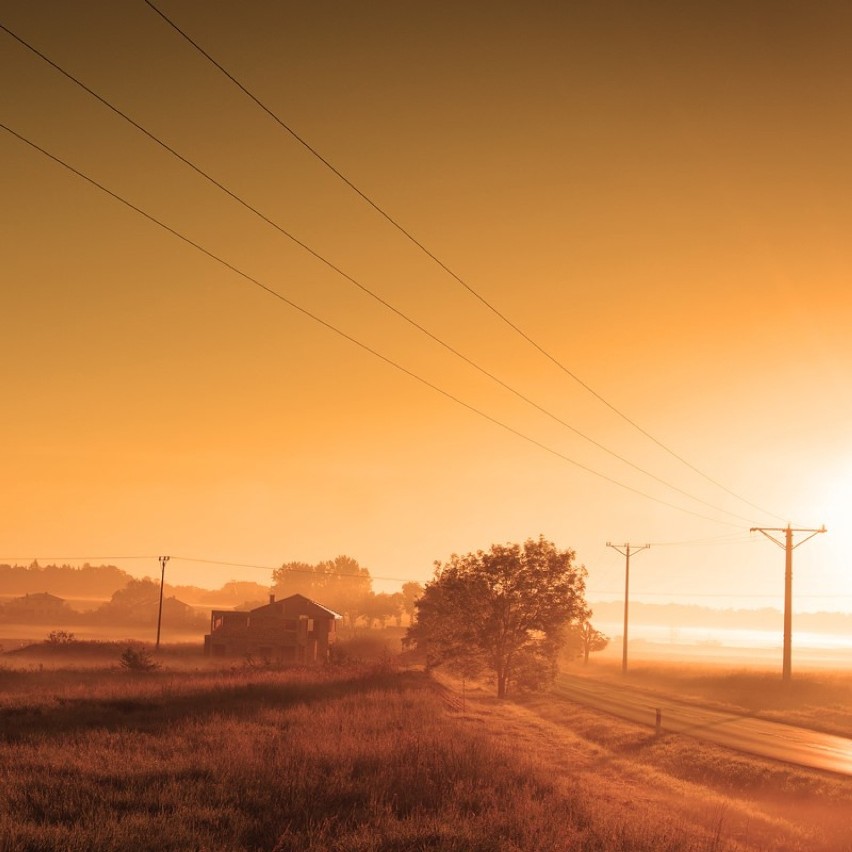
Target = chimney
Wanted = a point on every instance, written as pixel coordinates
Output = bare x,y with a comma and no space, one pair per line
272,598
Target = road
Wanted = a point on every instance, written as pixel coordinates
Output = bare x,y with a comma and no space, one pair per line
743,733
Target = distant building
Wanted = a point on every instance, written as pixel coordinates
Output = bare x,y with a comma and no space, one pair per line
39,608
292,630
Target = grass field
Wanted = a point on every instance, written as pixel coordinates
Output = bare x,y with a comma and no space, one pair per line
814,698
365,757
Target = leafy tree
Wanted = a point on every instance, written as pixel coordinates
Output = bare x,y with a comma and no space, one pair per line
340,584
585,639
504,610
411,591
60,637
380,608
398,604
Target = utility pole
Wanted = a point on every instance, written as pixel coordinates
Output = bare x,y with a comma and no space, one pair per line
163,560
626,553
789,547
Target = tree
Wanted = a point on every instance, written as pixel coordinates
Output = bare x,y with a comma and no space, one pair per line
504,610
340,584
585,639
136,659
411,592
380,607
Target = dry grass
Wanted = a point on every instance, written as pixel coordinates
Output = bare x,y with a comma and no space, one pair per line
362,757
814,698
706,790
338,759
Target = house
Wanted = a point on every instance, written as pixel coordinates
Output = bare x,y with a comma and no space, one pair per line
39,608
292,630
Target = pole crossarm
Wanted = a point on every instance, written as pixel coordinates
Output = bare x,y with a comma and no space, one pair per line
626,554
788,547
767,530
632,548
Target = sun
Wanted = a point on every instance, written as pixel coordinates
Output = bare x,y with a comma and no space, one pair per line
830,503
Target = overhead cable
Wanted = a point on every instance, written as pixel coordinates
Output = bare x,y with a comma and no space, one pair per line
455,276
331,327
362,287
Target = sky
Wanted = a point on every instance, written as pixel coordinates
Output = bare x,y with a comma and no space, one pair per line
657,195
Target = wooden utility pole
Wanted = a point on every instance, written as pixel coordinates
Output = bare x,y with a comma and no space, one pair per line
163,560
789,547
626,553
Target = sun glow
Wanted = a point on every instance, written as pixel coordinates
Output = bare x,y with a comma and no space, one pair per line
830,503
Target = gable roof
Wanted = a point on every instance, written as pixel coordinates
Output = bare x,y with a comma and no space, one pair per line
39,597
320,611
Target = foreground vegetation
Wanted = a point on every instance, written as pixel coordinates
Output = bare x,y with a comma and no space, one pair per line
356,757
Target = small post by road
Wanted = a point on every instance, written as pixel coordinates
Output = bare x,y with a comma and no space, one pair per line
658,728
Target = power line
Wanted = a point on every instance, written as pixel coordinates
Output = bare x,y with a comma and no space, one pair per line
747,595
455,276
290,570
70,558
364,289
732,538
197,560
387,360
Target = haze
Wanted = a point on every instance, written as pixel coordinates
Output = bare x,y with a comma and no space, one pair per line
657,195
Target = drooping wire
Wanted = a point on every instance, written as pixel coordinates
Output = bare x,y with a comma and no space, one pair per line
329,326
366,290
32,559
288,569
454,275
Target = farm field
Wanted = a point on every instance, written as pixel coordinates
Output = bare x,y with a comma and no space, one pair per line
367,757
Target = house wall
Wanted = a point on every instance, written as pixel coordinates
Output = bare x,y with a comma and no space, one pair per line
293,630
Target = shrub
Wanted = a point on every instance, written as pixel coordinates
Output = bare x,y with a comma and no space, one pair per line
138,660
60,637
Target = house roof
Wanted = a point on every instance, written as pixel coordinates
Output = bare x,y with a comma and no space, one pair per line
323,611
40,597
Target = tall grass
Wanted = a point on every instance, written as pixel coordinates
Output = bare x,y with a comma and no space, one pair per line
334,759
814,698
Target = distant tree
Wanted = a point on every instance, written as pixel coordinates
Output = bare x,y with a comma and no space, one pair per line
60,637
398,602
340,584
585,639
411,593
504,610
137,592
138,603
380,607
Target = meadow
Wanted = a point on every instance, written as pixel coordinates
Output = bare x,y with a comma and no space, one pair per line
363,756
815,697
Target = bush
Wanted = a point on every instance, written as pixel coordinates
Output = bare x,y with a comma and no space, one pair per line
138,660
60,637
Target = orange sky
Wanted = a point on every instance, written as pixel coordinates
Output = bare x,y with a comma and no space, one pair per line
659,196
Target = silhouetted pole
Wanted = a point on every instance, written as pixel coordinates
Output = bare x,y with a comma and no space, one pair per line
789,547
626,553
163,560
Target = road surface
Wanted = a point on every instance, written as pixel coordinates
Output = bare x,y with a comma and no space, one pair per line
743,733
